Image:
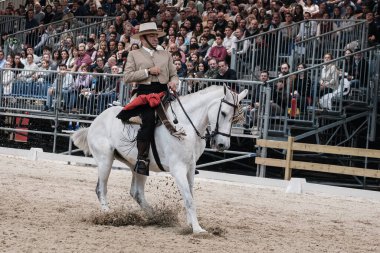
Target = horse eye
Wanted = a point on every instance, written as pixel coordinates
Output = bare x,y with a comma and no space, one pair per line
223,114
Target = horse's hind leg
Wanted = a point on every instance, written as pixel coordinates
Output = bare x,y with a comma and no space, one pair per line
138,191
104,162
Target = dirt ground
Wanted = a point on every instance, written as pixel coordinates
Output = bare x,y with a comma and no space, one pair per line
52,207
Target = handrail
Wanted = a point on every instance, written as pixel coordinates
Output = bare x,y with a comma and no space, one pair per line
82,27
377,47
59,22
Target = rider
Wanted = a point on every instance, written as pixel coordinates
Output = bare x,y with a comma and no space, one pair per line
153,70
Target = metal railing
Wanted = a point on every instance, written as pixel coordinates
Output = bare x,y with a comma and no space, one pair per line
9,24
16,3
266,51
80,28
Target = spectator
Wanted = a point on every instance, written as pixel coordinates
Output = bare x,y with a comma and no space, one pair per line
198,31
64,57
229,41
194,19
181,44
337,14
97,85
110,91
58,14
56,59
201,70
289,32
39,15
30,23
213,70
348,23
329,76
180,67
210,37
301,89
41,76
8,77
83,58
110,63
280,93
252,109
373,30
218,51
243,48
73,58
17,64
44,38
221,23
99,64
90,49
358,73
298,13
307,29
276,20
227,73
311,7
82,81
29,69
173,48
204,47
2,60
63,82
253,28
112,48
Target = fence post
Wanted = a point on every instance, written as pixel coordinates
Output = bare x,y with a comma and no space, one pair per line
289,158
264,132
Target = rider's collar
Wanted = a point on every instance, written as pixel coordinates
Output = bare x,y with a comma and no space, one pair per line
150,51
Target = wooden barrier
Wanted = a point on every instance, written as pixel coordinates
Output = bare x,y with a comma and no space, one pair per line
289,164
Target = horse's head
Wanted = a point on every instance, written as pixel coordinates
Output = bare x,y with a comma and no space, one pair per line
222,115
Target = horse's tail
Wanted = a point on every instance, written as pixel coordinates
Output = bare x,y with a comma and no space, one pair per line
80,140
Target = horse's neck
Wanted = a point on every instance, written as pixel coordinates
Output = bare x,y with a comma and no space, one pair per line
197,105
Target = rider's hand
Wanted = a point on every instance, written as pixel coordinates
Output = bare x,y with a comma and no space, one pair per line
154,71
172,86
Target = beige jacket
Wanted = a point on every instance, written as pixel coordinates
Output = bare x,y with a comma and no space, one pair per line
140,60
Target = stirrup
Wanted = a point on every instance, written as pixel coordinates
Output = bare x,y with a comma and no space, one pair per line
142,167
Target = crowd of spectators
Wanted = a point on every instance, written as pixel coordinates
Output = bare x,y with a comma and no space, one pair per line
201,35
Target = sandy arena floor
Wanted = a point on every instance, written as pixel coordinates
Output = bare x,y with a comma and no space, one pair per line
51,207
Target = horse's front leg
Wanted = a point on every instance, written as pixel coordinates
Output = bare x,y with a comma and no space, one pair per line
104,170
181,178
138,191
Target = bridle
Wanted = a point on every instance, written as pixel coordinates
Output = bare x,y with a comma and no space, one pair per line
235,118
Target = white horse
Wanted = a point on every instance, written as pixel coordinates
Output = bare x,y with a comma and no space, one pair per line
108,138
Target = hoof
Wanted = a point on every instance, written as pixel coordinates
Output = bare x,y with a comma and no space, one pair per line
200,231
105,209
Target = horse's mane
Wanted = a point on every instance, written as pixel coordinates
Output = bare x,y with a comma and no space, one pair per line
207,90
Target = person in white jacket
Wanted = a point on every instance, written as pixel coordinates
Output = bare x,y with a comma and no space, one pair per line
8,77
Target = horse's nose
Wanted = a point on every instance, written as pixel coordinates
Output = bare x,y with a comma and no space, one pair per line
221,146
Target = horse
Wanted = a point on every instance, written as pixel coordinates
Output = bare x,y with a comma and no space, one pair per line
108,138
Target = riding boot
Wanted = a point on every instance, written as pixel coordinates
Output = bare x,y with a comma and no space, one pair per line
142,164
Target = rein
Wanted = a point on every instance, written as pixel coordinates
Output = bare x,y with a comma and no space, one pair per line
209,135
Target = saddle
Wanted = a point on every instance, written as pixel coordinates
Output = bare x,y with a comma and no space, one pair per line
160,102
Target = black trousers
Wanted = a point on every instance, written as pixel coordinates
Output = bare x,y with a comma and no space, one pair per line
147,113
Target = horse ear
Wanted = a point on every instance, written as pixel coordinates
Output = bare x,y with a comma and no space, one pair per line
242,94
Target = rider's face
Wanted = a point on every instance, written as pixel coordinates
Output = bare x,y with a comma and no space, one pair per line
152,39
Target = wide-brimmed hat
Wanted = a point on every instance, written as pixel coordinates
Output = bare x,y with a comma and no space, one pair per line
148,28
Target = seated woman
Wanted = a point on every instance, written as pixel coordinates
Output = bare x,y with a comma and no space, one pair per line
83,81
7,81
301,89
329,84
109,92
